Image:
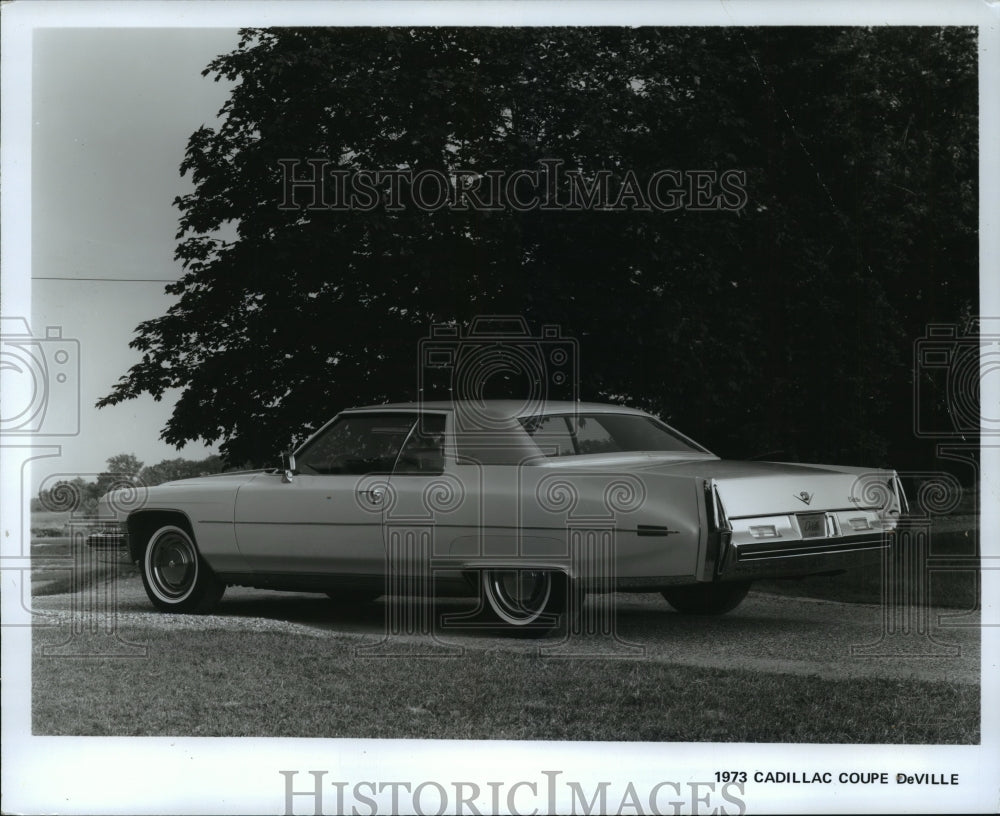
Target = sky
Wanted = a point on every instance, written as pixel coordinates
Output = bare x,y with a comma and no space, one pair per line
112,110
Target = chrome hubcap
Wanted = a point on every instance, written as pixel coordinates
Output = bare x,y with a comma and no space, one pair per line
519,596
173,565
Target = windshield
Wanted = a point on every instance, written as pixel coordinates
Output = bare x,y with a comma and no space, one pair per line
582,434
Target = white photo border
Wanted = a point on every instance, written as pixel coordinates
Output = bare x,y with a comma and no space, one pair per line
224,775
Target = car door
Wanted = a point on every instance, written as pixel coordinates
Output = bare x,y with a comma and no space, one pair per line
457,499
327,519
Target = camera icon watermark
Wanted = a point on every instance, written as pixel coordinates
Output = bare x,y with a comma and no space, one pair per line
927,544
951,369
498,358
41,381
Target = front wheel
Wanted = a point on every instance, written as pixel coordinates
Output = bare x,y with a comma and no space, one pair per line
707,599
175,576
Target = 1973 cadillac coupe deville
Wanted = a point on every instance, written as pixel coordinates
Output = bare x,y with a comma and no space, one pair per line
526,506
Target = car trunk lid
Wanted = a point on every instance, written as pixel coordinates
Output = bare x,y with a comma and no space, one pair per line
769,488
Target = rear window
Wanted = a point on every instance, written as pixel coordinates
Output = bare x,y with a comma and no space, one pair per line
583,434
510,445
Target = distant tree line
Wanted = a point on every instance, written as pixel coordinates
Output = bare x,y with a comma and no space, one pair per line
123,469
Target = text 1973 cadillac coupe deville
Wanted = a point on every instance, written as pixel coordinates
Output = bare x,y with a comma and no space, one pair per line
524,506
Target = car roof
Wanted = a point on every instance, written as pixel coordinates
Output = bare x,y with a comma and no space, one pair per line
507,408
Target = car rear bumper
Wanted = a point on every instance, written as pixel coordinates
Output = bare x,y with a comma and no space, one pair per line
806,557
108,539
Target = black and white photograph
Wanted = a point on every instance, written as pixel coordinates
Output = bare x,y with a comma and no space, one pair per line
500,407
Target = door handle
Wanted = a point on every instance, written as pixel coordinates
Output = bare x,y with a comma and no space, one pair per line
375,495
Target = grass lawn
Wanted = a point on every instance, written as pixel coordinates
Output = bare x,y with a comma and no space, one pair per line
205,683
297,685
49,523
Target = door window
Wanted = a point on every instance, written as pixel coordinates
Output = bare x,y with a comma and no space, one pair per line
357,444
423,452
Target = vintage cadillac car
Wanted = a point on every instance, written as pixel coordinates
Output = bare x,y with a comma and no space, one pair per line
526,506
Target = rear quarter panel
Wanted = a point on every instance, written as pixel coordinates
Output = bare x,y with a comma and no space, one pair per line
598,525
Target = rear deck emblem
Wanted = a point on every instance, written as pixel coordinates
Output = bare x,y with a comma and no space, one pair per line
804,497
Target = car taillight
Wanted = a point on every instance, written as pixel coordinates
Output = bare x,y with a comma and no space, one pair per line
897,488
720,531
764,531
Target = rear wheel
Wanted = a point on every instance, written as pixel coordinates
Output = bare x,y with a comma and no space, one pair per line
175,576
533,602
707,599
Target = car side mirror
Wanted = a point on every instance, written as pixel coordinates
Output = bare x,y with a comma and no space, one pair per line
287,467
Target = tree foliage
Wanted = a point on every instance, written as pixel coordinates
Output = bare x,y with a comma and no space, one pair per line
171,469
787,325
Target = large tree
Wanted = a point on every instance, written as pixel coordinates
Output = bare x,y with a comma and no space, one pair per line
784,324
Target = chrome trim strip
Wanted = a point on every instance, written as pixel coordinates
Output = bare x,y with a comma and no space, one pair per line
854,508
820,547
654,530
